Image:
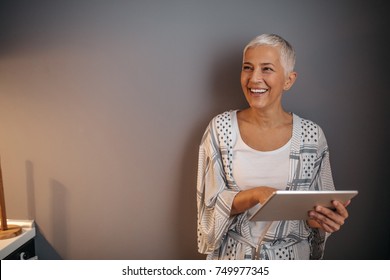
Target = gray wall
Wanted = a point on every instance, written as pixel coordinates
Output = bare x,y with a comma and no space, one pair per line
103,104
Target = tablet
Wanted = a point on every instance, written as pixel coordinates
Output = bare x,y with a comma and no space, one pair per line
295,205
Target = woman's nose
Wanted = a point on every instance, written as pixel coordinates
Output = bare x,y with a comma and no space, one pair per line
256,76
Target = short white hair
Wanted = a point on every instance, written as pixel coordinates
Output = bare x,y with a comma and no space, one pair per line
287,52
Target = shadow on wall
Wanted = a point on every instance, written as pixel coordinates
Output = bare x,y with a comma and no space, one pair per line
60,227
30,190
225,94
44,250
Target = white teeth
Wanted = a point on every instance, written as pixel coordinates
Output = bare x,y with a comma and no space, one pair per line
258,90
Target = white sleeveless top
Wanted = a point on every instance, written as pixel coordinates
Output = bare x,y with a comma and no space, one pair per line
253,168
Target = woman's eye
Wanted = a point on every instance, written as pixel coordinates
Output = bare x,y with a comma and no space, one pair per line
246,68
268,69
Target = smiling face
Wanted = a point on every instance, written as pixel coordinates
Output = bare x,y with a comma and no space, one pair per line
263,79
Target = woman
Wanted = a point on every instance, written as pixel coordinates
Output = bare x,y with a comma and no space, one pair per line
245,155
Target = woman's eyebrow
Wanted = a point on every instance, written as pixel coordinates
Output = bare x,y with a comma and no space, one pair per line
267,64
262,64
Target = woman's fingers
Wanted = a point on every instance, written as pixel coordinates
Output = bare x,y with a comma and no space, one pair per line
330,220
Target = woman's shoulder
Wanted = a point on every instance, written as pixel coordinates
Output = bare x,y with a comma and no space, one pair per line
305,123
220,121
226,115
310,131
221,127
224,119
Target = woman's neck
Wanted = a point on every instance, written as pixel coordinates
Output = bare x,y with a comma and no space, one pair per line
267,119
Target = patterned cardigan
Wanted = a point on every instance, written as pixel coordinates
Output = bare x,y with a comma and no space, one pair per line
222,236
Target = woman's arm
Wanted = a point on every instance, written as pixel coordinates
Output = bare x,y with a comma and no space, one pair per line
245,200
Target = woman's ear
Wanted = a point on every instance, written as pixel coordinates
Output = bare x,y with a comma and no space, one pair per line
290,80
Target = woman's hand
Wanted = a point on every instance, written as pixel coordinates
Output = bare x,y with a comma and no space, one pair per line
245,200
327,219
